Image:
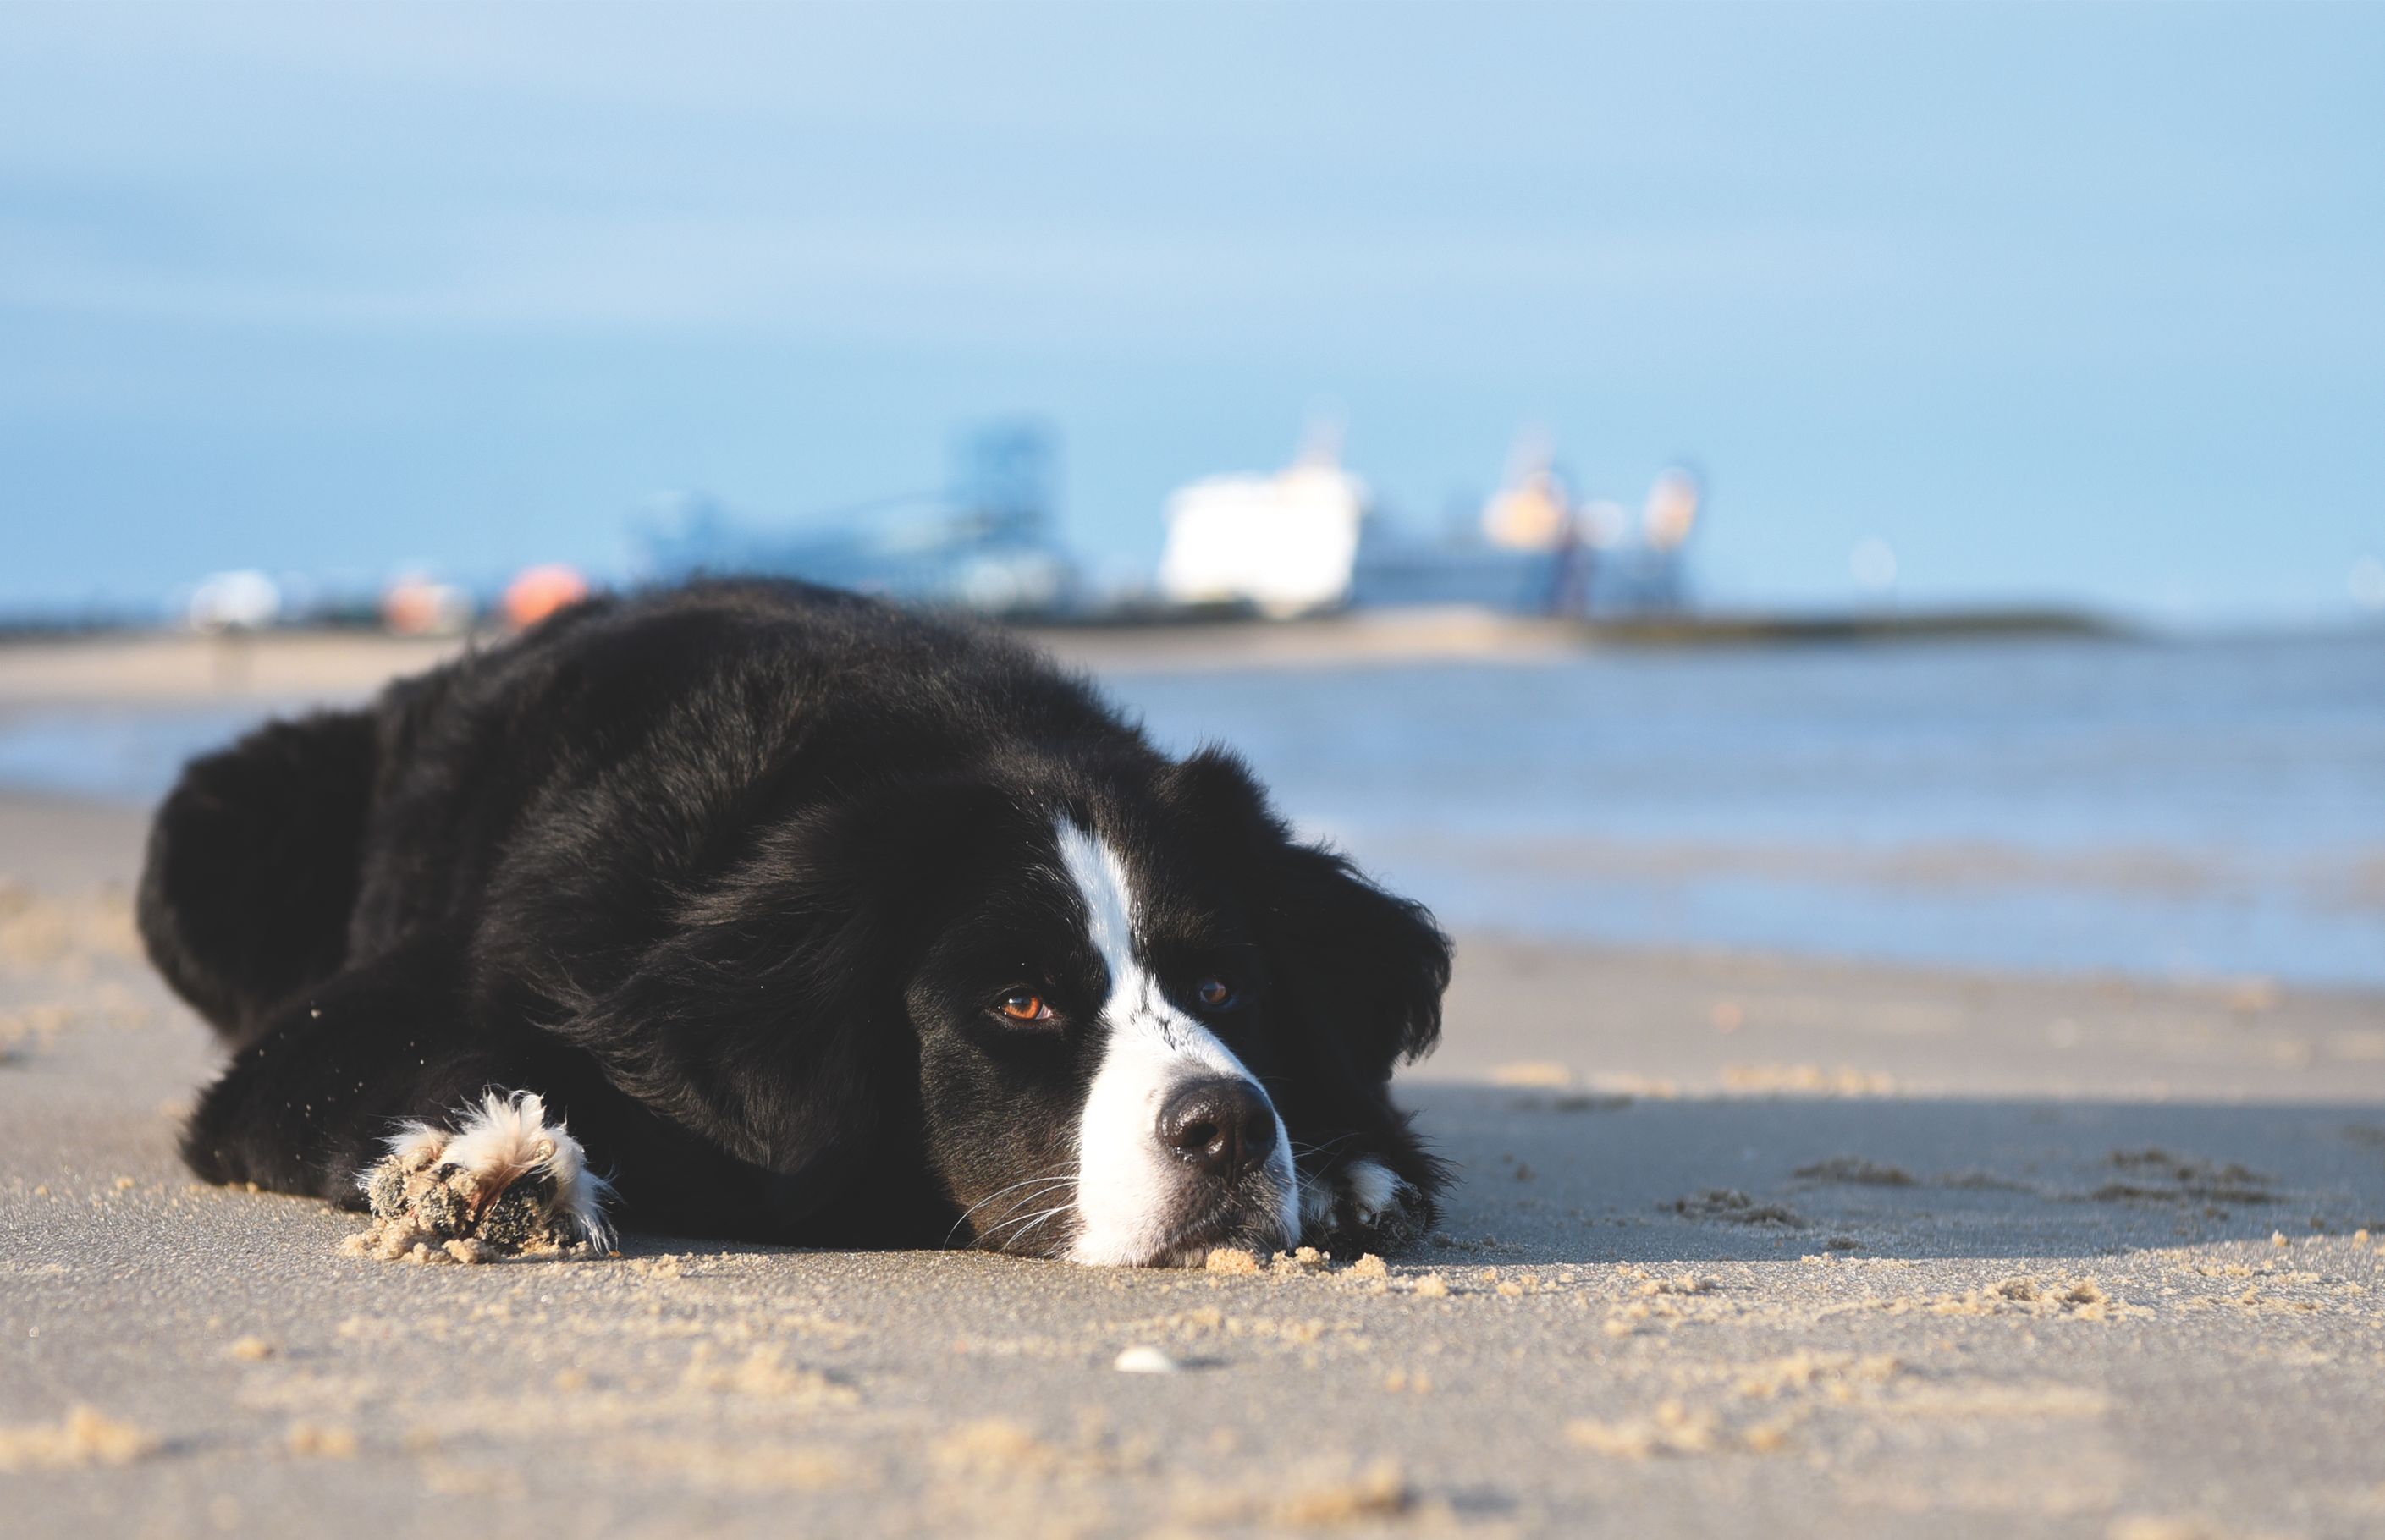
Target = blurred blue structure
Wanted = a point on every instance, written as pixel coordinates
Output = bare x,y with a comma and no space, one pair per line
1397,569
983,542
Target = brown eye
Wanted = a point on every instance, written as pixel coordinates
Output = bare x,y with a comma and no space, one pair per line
1025,1005
1215,993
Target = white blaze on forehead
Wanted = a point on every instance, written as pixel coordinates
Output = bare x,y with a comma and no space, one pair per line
1100,879
1131,1191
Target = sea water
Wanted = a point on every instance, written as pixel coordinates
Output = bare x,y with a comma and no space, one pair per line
2201,808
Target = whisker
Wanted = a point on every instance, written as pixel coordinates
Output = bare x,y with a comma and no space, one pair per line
1055,1174
1317,1152
1025,1199
1043,1183
1015,1217
1018,1207
1035,1184
1038,1219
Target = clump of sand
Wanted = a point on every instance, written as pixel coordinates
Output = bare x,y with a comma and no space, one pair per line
1231,1260
1326,1494
86,1436
1734,1207
743,1464
1856,1171
1683,1284
1836,1374
2156,1175
397,1241
1378,1492
994,1446
1674,1429
2068,1299
320,1441
424,1211
763,1374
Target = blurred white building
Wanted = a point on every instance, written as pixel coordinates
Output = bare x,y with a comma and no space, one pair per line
1311,538
1285,544
244,601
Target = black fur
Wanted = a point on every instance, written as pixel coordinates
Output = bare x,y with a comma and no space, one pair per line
730,875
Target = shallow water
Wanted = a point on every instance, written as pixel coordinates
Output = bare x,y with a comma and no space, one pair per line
2173,809
2187,808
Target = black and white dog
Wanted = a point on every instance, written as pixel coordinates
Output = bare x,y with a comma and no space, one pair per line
808,921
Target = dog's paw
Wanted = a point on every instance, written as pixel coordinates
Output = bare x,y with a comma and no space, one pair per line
503,1182
1363,1206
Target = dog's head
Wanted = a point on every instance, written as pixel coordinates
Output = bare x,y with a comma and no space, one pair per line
1112,1013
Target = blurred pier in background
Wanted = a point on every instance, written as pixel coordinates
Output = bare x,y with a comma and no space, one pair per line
1540,565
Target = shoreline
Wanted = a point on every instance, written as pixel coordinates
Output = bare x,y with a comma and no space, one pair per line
60,840
162,664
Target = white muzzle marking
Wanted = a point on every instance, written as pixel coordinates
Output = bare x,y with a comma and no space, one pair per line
1130,1191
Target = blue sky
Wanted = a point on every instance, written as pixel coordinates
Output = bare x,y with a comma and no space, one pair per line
2069,304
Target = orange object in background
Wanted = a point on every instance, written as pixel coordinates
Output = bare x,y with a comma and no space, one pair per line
417,606
541,591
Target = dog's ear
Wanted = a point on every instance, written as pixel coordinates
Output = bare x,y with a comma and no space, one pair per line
1362,970
769,1018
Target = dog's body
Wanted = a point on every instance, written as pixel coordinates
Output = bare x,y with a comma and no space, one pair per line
815,923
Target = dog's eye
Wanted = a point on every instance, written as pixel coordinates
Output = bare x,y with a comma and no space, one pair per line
1025,1005
1215,993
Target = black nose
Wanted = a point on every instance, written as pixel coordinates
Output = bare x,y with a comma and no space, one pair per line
1224,1127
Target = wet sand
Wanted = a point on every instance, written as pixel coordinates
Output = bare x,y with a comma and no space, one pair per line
1741,1245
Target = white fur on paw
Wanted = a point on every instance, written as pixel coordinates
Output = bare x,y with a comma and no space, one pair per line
1371,1188
1315,1203
504,1182
416,1146
1362,1195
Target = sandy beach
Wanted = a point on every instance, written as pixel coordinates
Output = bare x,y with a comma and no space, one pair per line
1743,1244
